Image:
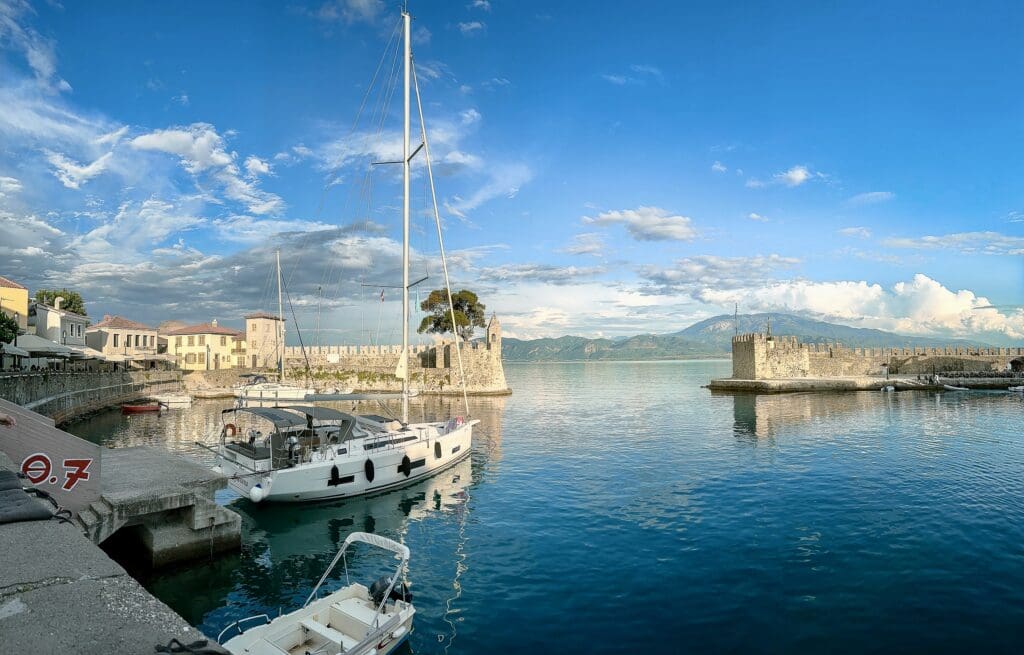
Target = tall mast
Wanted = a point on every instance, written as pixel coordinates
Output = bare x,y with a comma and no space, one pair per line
407,60
279,336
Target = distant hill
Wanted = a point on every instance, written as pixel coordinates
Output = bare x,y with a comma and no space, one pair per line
708,338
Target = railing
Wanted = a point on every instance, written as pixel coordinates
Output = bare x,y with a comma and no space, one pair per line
238,624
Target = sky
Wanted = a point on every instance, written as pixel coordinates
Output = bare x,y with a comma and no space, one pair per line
602,168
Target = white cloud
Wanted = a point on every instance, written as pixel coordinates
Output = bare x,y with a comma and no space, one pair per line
695,274
718,167
795,176
39,52
972,243
754,216
9,186
471,27
181,99
544,273
480,4
862,232
73,175
505,180
350,11
871,197
648,223
754,183
255,166
495,82
615,79
136,228
920,306
587,243
642,73
470,116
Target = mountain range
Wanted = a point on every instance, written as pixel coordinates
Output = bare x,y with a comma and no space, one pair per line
708,338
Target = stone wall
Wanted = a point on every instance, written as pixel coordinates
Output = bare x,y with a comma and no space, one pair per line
62,396
759,356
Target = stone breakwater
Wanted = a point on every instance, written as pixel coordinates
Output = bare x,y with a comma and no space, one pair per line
63,396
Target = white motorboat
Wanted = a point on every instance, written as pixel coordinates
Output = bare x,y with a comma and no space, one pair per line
174,400
950,387
1017,389
316,453
296,453
355,620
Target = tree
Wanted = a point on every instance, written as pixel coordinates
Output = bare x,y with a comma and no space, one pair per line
8,328
469,313
72,299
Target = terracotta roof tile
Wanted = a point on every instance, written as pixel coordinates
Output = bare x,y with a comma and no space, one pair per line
205,328
10,284
262,315
119,322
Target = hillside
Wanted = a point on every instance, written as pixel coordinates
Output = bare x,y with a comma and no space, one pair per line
708,338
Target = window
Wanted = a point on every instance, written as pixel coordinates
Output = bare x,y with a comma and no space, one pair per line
177,341
191,340
145,340
202,339
79,329
255,327
202,358
223,341
190,358
115,340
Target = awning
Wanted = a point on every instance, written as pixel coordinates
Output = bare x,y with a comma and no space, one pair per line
8,349
40,347
279,418
319,413
85,352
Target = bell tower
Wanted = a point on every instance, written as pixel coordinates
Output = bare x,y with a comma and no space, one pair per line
494,334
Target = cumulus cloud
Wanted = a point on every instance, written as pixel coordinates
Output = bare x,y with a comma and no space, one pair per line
857,231
255,166
349,11
201,149
718,167
921,306
470,116
648,223
754,216
795,176
480,4
971,243
871,197
9,186
693,275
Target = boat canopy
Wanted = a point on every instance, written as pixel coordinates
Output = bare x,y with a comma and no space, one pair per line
280,418
318,413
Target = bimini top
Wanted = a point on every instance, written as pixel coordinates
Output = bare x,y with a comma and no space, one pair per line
279,417
318,413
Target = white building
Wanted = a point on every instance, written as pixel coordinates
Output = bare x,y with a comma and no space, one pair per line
57,325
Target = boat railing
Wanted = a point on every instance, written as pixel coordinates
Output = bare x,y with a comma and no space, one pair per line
373,636
238,625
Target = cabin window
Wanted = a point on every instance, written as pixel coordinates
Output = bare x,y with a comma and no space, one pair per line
456,449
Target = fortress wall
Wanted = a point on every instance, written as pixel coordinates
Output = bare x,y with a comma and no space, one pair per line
758,356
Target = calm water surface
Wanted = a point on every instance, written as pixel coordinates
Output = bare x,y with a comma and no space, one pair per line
615,506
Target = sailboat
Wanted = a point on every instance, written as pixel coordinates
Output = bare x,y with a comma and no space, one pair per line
258,388
303,452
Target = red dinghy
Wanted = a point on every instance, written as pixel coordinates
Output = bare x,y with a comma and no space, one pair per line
141,409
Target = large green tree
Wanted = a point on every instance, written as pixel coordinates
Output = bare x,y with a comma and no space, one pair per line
8,328
469,313
72,299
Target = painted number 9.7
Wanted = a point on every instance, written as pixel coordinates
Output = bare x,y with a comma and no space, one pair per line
38,469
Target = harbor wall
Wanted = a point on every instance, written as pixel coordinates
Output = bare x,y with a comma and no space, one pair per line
760,356
62,396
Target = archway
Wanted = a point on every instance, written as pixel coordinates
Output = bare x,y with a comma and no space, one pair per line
1017,365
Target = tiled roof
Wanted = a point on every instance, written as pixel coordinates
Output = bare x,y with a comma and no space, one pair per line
205,328
10,284
119,322
262,315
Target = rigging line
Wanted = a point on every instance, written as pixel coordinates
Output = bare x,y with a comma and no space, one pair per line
298,331
440,241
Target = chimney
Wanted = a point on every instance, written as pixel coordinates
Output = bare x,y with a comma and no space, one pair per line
106,317
213,322
57,301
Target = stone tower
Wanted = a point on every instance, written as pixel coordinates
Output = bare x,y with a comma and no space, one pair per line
264,335
494,334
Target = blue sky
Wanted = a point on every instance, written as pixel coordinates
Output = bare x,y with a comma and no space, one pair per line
604,168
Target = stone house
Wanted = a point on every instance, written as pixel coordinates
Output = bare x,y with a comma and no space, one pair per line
206,347
264,340
121,339
58,325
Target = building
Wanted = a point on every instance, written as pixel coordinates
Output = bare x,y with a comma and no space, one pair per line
58,325
14,302
120,339
264,339
206,347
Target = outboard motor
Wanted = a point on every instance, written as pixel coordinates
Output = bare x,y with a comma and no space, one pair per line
400,592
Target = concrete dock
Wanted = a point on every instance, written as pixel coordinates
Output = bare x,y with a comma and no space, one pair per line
858,383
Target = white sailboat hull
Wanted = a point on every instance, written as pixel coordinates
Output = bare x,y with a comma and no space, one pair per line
317,480
273,392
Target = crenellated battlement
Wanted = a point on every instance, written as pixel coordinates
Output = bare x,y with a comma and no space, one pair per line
761,356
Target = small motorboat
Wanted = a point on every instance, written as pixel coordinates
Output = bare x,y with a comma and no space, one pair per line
174,400
355,620
142,409
950,387
888,387
1019,389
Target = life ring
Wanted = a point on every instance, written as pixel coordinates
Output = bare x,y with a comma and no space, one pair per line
368,470
406,466
230,430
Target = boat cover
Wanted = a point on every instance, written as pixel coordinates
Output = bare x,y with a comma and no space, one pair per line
319,413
